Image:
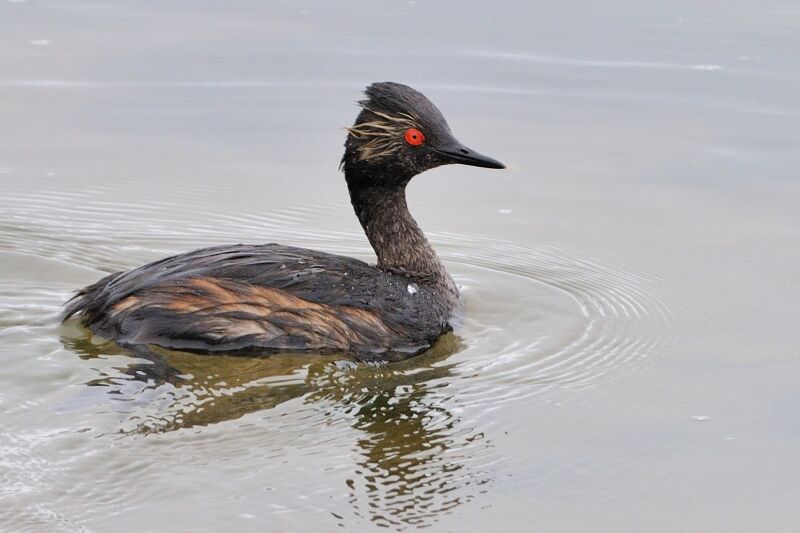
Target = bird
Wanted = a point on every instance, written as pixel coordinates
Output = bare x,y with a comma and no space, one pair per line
267,298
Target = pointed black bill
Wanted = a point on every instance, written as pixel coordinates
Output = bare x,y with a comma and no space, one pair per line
458,153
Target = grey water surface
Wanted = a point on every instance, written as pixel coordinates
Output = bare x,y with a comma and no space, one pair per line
630,358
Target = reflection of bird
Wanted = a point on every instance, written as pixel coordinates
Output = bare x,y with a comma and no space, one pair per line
199,390
272,297
414,457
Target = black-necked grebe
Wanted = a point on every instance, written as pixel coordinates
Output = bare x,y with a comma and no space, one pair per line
266,298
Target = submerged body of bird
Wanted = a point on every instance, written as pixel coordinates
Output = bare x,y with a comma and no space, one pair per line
265,298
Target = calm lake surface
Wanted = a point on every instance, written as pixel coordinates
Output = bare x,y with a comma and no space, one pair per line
630,358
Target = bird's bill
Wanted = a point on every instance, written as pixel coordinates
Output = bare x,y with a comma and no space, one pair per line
460,154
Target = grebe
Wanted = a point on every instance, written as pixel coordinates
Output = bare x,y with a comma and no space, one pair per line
266,298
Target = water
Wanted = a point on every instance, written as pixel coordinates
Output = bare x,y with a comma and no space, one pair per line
629,356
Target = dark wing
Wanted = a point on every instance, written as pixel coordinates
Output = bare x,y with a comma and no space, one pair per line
260,296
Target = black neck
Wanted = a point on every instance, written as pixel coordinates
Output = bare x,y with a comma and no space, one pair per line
393,233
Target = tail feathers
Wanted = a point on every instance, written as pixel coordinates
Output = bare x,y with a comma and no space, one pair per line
87,300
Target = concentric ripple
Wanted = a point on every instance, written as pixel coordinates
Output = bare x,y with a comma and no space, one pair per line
573,320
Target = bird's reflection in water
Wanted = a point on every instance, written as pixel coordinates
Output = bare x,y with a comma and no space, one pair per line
412,449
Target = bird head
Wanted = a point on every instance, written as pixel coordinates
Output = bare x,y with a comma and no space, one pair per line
400,133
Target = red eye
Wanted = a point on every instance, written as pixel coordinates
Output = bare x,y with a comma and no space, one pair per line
414,137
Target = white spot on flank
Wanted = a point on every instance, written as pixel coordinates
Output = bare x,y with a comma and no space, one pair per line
412,288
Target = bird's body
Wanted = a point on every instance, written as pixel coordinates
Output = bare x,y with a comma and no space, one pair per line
265,298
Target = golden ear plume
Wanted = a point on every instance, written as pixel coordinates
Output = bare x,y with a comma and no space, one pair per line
383,136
